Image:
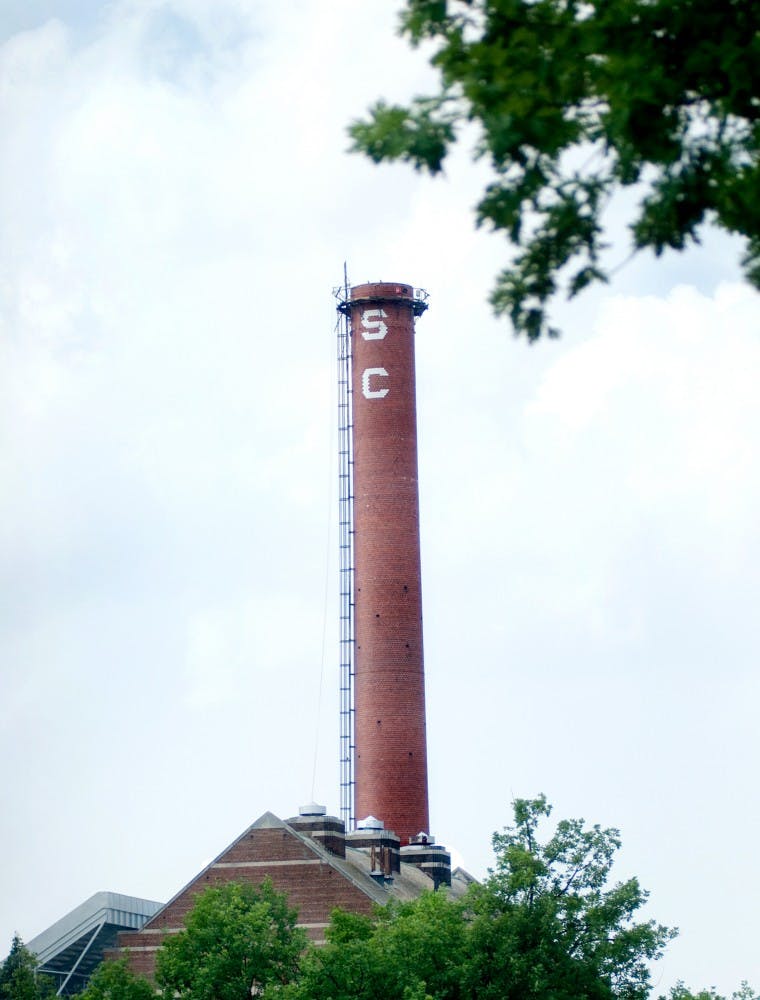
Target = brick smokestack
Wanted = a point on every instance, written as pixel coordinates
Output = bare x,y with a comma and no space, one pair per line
391,752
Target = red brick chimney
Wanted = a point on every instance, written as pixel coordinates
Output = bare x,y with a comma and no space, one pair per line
391,754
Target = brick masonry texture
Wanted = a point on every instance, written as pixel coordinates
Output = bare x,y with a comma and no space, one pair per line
313,886
391,753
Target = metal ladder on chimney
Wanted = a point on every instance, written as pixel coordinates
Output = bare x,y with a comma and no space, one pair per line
346,558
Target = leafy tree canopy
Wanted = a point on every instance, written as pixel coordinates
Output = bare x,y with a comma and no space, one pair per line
18,977
409,950
548,920
681,992
574,99
237,939
116,981
546,923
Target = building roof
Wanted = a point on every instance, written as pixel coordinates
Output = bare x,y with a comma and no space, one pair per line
407,884
315,878
72,948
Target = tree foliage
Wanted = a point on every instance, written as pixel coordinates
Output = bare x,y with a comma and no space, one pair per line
425,944
237,939
574,99
549,920
546,923
410,950
682,992
116,981
19,979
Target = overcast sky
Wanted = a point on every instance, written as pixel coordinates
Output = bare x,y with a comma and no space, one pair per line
176,204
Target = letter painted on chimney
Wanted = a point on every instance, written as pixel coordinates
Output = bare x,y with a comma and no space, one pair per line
367,390
372,321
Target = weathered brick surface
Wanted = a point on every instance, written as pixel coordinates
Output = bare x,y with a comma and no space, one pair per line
391,754
313,887
328,831
142,963
264,845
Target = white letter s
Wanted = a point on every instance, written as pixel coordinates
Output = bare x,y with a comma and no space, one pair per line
372,321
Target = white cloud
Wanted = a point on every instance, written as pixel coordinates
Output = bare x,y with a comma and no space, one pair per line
672,383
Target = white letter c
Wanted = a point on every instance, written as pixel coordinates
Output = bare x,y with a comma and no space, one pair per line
367,374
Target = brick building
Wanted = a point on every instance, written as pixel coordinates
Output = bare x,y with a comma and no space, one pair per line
319,866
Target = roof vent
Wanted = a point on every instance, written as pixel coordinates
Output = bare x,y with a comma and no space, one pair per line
370,823
312,809
422,838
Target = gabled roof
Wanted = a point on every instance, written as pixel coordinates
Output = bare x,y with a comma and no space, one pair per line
407,884
353,870
315,880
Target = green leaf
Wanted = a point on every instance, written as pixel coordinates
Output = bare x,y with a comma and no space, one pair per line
650,92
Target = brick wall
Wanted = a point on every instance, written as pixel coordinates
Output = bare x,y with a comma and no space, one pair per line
313,885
